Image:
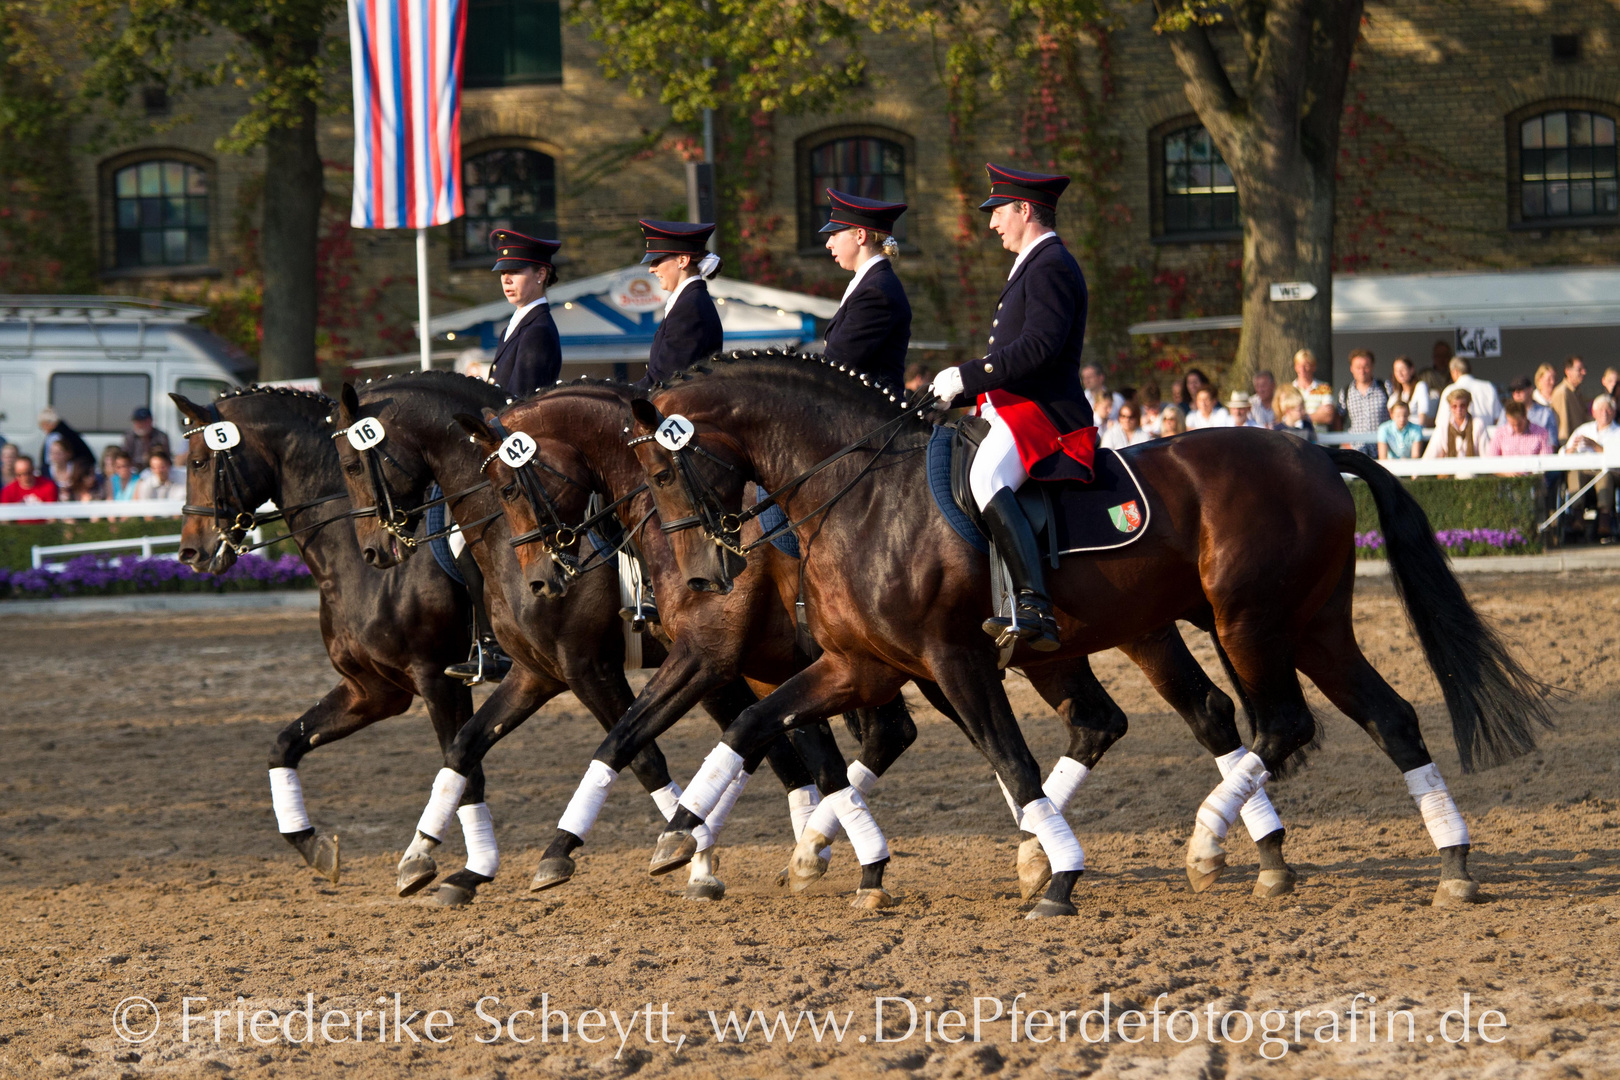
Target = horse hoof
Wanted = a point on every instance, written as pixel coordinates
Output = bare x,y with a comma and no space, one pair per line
323,858
1047,909
453,895
1274,883
1034,870
553,872
711,888
807,866
1206,858
416,874
674,850
872,899
1456,891
1203,876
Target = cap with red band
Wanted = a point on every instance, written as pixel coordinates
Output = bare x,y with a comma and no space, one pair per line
514,251
1015,185
675,238
854,212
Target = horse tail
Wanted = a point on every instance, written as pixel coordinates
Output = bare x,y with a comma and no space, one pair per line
1495,704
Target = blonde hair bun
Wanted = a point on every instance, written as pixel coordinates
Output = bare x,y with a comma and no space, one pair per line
891,247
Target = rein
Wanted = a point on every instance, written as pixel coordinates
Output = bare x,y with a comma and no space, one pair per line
396,522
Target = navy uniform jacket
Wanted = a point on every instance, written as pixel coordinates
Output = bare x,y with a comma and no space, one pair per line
1035,338
872,328
531,357
689,333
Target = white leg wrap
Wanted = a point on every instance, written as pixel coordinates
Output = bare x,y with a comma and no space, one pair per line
1018,815
448,787
802,803
478,829
1067,776
722,809
421,848
861,778
287,796
588,798
1062,847
1260,818
701,868
864,835
719,769
1221,807
1445,824
668,798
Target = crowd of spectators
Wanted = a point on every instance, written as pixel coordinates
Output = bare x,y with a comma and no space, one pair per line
141,466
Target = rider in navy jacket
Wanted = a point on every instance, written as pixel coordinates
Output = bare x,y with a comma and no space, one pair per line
530,353
691,329
872,327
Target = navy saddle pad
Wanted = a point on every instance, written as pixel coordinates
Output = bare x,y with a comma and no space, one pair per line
1068,518
434,519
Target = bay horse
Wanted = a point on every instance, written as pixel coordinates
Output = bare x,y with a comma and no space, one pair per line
577,432
558,642
285,456
1250,536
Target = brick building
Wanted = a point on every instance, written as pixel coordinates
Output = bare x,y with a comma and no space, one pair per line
1478,135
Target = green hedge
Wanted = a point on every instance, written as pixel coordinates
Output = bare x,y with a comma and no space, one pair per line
1485,502
17,541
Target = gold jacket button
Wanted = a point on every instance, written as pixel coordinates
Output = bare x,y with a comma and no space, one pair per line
989,368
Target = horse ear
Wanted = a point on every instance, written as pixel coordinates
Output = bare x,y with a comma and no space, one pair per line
478,429
350,402
196,415
646,413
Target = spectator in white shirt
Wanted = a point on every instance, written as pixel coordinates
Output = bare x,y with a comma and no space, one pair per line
1092,379
1102,410
160,480
1262,407
1127,431
1206,413
1598,435
1406,386
1487,405
1460,434
1318,396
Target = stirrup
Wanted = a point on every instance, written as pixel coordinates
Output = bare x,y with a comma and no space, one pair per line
1035,624
486,662
640,617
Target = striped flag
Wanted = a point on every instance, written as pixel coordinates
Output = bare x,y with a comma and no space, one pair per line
407,111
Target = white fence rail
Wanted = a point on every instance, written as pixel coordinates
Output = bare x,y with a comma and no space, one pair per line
44,553
99,508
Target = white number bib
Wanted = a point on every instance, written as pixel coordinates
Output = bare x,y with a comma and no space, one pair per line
675,432
518,449
364,434
221,436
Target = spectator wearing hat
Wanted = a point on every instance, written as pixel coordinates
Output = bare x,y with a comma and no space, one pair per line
143,437
1486,404
1399,437
1240,407
678,256
872,327
1206,412
1365,402
530,353
1523,391
1598,435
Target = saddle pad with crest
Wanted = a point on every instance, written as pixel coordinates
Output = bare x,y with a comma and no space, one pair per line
1068,518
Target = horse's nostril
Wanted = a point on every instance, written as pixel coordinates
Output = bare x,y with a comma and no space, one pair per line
370,555
538,588
188,555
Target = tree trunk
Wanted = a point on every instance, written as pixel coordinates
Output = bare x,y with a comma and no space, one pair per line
293,190
1287,237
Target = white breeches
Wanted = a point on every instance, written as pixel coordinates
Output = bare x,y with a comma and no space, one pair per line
997,465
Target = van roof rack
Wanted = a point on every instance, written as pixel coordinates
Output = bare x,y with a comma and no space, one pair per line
95,309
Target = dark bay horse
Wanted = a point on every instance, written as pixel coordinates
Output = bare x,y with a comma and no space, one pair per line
578,436
559,642
286,456
1250,536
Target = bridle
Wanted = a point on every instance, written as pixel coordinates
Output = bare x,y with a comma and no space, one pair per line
401,523
233,524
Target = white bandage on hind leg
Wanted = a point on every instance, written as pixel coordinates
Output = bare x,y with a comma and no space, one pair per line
287,796
716,821
1067,776
448,788
588,798
1440,814
719,769
1260,818
668,798
1221,807
1018,815
802,803
478,830
1062,847
859,824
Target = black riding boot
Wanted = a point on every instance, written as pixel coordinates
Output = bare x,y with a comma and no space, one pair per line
1015,543
487,662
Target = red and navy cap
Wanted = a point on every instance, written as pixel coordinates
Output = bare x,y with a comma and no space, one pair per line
1015,185
675,238
854,212
514,251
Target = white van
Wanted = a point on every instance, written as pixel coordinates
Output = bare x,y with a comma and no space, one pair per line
99,358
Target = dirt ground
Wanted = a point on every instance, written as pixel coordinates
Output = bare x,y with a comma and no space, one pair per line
139,859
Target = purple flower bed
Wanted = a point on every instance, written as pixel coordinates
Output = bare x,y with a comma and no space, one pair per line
91,575
1455,541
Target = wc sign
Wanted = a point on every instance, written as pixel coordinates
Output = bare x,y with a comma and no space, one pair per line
1477,341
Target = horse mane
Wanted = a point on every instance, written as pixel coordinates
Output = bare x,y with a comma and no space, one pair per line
578,383
431,376
253,389
837,380
311,407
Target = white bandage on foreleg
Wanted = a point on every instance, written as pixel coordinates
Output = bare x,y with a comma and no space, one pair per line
668,798
1221,807
421,848
588,798
861,778
802,803
287,796
1062,847
1067,776
448,788
1260,818
719,769
1018,815
824,820
860,826
1440,814
478,830
716,821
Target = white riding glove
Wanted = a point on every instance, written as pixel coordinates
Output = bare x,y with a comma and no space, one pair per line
947,385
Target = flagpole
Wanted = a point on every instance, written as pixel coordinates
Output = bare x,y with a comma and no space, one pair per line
422,298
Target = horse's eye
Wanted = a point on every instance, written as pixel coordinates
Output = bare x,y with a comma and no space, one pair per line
196,464
509,492
352,468
664,478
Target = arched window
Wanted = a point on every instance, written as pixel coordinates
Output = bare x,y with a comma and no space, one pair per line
1567,166
865,165
1198,194
160,214
507,188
